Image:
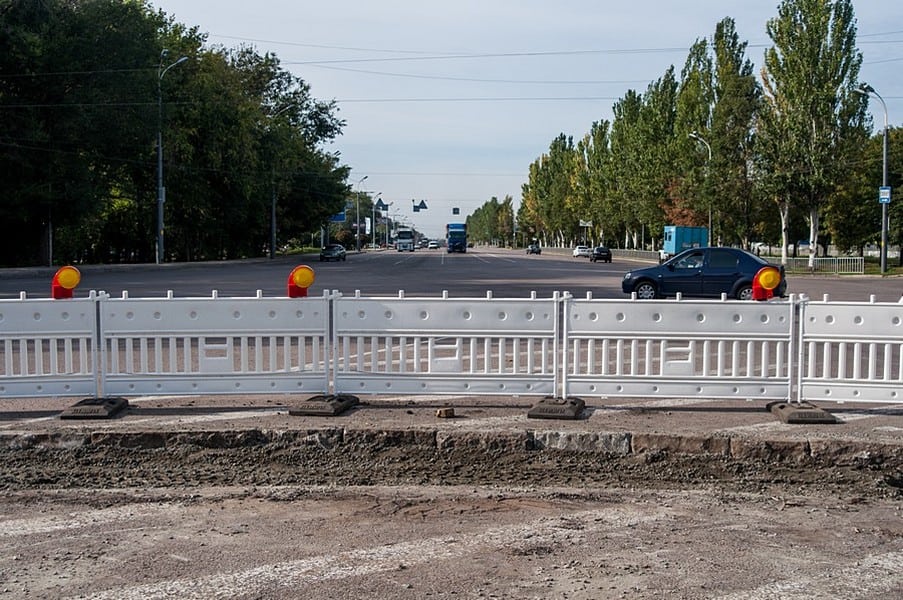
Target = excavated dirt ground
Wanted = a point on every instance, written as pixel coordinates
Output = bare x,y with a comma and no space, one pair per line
235,498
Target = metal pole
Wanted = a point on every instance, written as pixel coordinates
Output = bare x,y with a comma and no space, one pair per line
388,221
884,224
273,184
867,90
159,249
161,190
273,221
357,215
695,135
373,237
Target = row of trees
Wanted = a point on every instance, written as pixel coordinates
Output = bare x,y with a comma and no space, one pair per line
80,83
783,156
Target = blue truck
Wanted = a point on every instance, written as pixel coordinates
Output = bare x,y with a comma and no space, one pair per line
456,237
678,238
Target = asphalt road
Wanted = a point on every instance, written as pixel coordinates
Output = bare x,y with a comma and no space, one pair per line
504,273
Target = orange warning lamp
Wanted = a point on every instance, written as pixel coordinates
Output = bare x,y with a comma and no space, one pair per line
301,278
64,282
767,279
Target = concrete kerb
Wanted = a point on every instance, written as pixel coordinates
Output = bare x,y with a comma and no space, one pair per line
868,439
604,445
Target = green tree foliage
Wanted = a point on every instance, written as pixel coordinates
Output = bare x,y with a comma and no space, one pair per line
812,120
853,213
737,97
491,223
596,203
79,83
75,86
550,194
782,153
691,199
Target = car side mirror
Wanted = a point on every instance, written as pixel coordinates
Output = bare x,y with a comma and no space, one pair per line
670,266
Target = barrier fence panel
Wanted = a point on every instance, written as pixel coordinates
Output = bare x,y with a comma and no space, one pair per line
446,346
214,345
851,351
47,347
558,346
668,348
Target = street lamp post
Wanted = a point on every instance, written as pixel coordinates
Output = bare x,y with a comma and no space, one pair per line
273,198
373,218
695,135
388,221
357,215
161,191
867,90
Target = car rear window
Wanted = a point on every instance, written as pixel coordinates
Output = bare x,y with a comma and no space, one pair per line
722,259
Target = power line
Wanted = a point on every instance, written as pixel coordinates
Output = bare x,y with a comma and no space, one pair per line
477,80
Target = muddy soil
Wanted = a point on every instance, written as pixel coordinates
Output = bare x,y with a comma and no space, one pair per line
392,516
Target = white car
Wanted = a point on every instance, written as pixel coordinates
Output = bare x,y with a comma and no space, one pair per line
433,245
585,251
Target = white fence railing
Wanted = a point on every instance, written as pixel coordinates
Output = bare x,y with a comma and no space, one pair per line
711,349
851,351
446,346
48,347
214,345
836,265
793,349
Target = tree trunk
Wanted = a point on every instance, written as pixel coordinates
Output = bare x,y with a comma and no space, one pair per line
813,237
784,211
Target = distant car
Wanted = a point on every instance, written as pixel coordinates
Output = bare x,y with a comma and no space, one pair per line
582,251
433,245
701,273
600,253
332,252
534,249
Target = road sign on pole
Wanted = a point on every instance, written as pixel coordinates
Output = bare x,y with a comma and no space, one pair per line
884,194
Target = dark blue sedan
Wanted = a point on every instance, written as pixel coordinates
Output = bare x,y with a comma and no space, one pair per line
701,273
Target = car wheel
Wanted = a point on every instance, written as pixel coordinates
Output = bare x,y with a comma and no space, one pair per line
645,290
745,293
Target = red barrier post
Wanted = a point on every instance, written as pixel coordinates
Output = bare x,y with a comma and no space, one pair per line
765,282
64,281
301,278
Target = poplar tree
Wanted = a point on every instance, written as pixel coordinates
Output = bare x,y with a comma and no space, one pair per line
811,119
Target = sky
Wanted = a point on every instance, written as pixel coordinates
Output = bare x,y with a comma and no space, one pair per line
448,103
